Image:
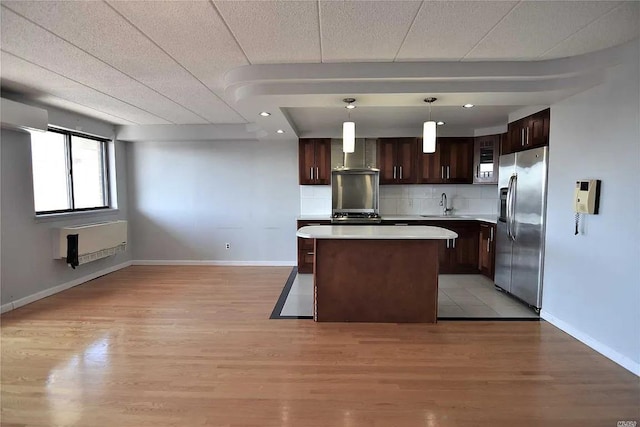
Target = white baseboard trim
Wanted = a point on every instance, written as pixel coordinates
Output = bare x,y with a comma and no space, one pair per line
601,348
220,263
63,287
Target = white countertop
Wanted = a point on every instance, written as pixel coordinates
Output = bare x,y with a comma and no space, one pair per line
466,217
375,232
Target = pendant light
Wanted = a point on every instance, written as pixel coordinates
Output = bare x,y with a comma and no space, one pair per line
429,131
349,129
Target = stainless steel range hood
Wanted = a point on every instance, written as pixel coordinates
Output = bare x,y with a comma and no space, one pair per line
363,157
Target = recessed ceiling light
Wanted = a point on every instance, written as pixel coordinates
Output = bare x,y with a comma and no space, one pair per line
350,107
279,131
265,114
440,123
468,105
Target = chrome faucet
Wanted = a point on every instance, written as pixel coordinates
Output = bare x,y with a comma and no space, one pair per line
443,203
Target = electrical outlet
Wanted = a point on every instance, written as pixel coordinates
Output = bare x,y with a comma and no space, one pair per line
227,245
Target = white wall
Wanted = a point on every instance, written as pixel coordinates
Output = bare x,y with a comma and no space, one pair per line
592,281
411,199
187,199
28,267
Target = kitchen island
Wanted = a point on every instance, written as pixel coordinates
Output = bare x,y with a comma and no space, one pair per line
375,273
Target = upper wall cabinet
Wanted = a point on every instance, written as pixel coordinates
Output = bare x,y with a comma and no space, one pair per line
528,132
452,163
397,160
314,158
486,152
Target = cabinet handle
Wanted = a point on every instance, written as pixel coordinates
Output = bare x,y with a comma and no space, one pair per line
491,238
394,172
317,173
454,243
478,171
310,253
442,175
447,243
402,223
488,243
448,170
527,143
311,174
400,172
522,137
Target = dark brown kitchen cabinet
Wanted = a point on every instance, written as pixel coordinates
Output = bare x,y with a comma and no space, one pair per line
314,157
397,160
458,256
452,163
528,132
486,250
306,247
486,154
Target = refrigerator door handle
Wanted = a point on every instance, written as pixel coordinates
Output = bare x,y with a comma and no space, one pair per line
514,195
509,206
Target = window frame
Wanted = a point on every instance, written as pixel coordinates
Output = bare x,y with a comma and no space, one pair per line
104,161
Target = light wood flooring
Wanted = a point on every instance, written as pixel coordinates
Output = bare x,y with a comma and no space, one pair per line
193,346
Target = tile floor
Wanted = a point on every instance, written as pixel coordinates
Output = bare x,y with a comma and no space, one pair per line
459,295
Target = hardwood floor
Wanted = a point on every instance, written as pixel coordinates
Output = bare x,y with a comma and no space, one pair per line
193,346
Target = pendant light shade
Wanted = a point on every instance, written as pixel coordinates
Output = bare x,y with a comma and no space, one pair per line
429,137
429,131
349,129
348,137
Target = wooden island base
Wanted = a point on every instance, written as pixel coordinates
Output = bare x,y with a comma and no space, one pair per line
376,280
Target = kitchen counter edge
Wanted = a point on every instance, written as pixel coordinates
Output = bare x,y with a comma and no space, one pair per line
375,232
491,219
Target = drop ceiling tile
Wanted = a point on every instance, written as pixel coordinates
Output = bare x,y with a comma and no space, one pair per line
191,32
364,30
448,30
104,33
27,40
54,101
533,27
43,85
274,31
616,27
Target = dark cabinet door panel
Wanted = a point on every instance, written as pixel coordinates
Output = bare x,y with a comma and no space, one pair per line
406,159
323,162
460,161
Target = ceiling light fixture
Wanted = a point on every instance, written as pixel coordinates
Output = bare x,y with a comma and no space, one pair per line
440,123
265,114
279,131
349,129
429,131
468,105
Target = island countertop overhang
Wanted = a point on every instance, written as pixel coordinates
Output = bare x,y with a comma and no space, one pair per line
375,232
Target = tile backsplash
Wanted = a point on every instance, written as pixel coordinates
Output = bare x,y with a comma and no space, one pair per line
411,199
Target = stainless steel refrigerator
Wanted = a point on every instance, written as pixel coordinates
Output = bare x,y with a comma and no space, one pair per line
522,184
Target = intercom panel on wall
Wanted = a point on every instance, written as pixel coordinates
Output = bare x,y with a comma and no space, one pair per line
587,196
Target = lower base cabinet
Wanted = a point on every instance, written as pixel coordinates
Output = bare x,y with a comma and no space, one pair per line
306,247
486,250
459,256
472,252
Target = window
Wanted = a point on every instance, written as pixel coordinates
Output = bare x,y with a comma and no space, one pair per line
69,172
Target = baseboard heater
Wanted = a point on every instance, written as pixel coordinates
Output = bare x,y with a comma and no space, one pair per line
81,244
